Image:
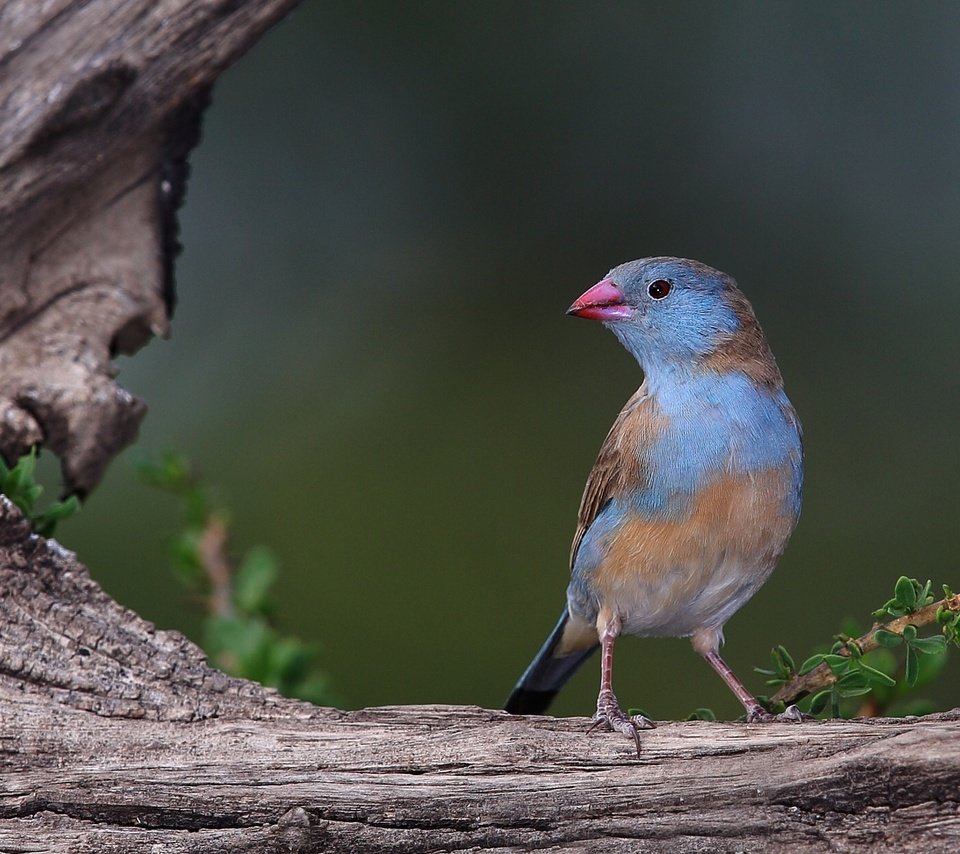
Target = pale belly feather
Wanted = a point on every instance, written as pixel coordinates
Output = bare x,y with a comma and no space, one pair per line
670,577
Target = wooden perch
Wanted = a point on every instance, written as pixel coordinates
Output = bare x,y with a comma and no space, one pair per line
116,737
99,105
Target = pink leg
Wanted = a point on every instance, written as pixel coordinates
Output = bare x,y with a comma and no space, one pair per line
707,642
755,712
608,708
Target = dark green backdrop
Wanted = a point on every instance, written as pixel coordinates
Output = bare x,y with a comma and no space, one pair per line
393,205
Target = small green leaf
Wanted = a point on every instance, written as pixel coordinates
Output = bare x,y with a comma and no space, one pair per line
812,662
819,702
876,677
912,670
254,579
909,632
929,646
785,658
906,592
702,714
930,666
855,692
852,684
924,597
837,663
46,523
887,638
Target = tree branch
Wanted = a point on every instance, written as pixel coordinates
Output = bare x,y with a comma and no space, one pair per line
822,676
100,103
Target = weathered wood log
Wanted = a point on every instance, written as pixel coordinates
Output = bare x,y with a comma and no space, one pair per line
99,106
117,737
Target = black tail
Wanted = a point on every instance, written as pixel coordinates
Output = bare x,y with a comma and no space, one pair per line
550,670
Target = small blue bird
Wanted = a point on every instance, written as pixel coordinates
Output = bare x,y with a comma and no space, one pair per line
694,493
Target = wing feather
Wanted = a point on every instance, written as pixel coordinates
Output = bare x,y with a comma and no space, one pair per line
620,462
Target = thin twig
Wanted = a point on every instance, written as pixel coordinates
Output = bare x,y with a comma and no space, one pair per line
212,550
823,677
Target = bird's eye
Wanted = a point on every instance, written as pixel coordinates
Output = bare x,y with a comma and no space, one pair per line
659,289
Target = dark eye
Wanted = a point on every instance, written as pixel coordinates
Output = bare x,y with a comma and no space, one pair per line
659,289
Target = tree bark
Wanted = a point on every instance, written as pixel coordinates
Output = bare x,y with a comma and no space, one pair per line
99,105
116,737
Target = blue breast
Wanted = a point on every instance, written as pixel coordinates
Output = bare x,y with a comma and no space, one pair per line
718,423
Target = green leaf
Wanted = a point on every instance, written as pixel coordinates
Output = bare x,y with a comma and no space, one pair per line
912,670
924,597
819,702
929,646
837,663
876,677
906,592
254,579
785,657
945,616
46,523
852,684
887,638
812,662
702,714
909,632
930,666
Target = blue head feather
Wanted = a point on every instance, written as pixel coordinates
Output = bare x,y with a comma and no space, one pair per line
682,328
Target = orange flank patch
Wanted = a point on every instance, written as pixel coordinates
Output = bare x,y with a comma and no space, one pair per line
678,575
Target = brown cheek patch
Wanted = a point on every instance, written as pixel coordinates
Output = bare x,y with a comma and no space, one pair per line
747,350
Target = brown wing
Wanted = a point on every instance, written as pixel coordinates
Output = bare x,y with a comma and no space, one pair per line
619,464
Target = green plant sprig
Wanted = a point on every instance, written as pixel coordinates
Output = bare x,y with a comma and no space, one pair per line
843,672
19,484
239,632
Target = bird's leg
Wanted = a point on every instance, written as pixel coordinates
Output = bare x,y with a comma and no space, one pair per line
608,709
707,643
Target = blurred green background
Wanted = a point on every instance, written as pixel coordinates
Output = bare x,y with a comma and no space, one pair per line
391,208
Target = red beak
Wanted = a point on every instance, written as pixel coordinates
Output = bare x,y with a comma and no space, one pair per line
604,301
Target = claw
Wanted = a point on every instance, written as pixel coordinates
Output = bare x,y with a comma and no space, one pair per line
757,714
613,717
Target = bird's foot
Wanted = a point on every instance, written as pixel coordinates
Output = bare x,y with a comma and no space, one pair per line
610,714
758,714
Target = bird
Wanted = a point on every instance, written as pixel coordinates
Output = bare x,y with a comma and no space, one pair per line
695,491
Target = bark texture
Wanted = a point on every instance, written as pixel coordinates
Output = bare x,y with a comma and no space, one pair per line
99,105
117,737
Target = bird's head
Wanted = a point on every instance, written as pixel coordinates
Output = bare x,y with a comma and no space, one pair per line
671,312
